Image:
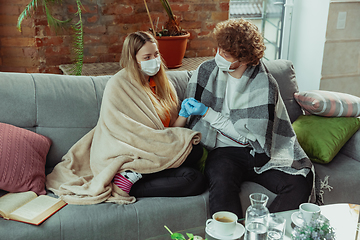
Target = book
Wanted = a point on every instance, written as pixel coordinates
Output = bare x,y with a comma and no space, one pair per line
28,207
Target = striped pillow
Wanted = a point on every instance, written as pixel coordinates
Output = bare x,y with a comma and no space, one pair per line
329,104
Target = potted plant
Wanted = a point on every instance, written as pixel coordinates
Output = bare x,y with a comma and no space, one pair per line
75,26
172,38
317,229
179,236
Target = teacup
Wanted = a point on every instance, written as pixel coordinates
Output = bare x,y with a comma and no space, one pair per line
223,223
309,211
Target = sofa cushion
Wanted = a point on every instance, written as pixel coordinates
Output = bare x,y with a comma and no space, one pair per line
284,73
67,108
22,159
179,79
328,103
350,148
17,99
339,180
323,137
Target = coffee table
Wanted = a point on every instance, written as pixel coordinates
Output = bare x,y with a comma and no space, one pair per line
343,217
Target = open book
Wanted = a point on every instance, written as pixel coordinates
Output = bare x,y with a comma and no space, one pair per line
28,207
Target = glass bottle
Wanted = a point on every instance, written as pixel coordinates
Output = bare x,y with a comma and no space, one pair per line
256,218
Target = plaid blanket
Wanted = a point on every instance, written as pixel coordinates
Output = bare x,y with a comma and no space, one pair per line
257,112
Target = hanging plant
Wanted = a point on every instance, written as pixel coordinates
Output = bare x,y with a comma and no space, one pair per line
57,25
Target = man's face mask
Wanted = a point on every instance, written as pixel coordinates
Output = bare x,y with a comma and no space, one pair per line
222,63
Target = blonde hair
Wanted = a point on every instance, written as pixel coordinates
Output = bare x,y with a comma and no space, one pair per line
165,98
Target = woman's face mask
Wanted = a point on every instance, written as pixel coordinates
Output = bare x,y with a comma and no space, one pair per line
148,58
222,63
151,67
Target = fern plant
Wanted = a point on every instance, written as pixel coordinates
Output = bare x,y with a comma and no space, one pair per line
59,25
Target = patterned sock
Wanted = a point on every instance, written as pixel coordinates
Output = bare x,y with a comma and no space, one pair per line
125,180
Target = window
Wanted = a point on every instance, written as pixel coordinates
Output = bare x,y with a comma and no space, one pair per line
268,16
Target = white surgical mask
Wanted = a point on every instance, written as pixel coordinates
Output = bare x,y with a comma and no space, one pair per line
151,67
222,63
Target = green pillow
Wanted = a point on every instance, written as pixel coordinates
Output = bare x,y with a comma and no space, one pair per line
323,137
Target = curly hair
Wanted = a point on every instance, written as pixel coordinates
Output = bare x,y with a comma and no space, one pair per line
241,39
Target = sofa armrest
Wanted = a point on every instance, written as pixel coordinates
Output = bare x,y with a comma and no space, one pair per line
352,147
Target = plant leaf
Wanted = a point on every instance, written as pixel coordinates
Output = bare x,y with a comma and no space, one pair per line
53,22
168,9
78,42
56,24
177,236
26,13
190,236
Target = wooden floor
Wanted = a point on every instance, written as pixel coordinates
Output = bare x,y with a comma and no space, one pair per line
110,68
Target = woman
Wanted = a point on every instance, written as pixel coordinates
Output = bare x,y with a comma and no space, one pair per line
138,134
236,105
140,56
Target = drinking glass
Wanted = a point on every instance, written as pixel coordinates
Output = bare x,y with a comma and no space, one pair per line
276,229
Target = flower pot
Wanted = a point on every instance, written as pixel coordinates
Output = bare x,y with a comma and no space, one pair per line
172,49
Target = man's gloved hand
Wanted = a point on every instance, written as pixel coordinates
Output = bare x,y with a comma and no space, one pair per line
193,107
183,111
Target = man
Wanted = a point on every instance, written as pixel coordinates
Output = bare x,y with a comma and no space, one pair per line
236,105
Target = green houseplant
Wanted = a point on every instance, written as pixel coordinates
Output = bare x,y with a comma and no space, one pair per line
172,38
179,236
75,25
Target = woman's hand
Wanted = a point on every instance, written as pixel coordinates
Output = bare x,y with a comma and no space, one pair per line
183,111
193,107
189,107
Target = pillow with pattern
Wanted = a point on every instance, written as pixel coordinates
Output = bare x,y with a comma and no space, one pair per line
328,103
22,159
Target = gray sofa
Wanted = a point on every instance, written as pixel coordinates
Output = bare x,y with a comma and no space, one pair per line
64,108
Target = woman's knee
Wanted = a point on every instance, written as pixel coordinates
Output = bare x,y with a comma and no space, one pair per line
197,183
194,156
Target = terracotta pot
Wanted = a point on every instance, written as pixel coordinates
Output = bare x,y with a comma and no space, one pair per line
173,49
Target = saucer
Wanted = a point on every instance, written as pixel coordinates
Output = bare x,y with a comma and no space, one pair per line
239,231
299,222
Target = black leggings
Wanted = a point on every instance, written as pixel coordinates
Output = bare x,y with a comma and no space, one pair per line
185,180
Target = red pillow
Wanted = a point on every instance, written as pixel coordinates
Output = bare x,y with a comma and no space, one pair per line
22,159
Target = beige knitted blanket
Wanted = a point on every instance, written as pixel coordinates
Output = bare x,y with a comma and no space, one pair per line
129,135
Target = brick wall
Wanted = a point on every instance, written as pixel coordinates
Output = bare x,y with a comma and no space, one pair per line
106,24
17,50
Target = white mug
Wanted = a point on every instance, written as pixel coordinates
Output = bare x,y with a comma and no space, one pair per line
309,211
223,223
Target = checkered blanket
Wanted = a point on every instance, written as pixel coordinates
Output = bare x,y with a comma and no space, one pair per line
257,112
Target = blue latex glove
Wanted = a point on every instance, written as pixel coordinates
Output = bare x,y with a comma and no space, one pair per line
193,107
183,111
